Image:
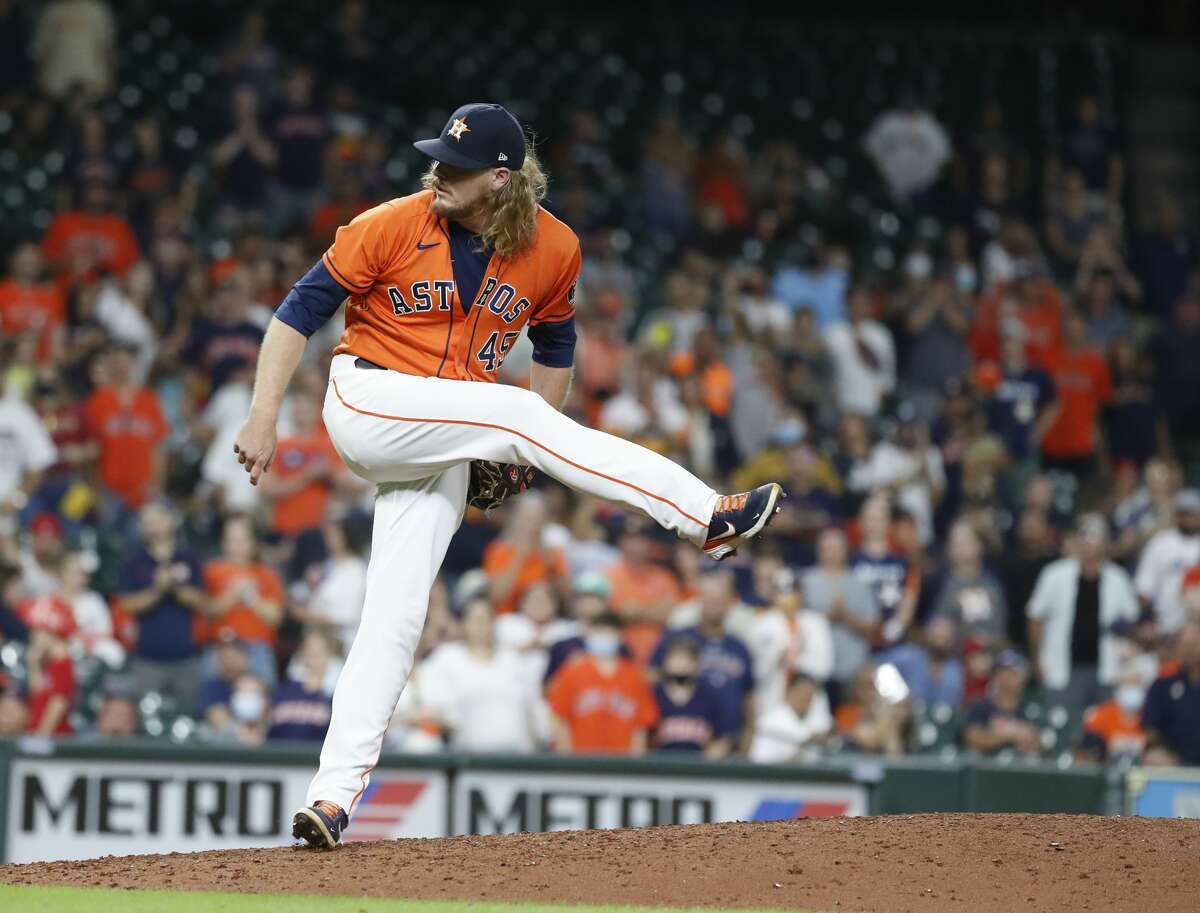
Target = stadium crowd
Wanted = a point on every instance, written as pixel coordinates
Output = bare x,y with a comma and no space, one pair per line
990,542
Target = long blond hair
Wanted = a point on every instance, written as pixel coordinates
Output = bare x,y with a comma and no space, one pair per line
511,212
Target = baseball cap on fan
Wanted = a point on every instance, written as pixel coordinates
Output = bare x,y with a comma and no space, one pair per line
478,136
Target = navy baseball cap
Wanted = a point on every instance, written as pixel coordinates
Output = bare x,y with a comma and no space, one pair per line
478,136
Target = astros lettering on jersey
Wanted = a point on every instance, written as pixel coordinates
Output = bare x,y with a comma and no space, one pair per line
404,311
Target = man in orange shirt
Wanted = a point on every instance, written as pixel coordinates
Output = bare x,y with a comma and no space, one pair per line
643,592
306,471
93,237
1114,729
127,422
1034,303
28,305
1084,386
517,559
247,600
602,703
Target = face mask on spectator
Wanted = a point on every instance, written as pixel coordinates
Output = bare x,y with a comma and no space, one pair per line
1129,697
605,643
247,706
964,278
918,266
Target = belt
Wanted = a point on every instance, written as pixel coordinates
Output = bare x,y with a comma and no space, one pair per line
363,363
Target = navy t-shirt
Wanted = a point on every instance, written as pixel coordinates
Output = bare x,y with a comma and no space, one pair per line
725,664
1172,708
214,692
695,724
164,631
886,577
298,715
1014,407
221,349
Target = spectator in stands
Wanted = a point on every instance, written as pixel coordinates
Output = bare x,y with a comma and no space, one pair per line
643,591
29,304
931,666
302,704
995,723
872,718
41,560
1113,729
894,584
1080,606
245,599
1107,322
1102,256
785,728
230,662
601,702
1022,407
969,593
1094,149
833,591
14,715
1019,566
225,341
249,704
785,637
335,589
300,131
693,715
244,159
1070,222
479,693
590,594
909,147
1080,375
126,420
1165,559
819,285
26,452
937,325
533,629
79,243
75,49
1177,375
160,585
519,558
1165,257
725,663
863,356
118,716
94,632
1133,419
51,671
1171,716
305,471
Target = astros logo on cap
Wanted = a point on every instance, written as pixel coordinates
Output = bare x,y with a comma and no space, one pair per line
458,128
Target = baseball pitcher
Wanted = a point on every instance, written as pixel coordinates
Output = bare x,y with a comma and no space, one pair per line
438,286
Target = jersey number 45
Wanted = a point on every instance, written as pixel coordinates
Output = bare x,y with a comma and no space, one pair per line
493,352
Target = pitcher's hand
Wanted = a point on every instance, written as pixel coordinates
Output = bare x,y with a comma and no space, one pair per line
255,447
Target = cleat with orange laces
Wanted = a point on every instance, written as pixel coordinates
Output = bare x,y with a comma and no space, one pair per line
739,518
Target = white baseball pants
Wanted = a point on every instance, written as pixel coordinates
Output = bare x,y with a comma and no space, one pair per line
415,437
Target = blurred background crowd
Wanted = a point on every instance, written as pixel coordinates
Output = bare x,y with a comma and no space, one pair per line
909,276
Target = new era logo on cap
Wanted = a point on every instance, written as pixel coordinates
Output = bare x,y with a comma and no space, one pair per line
483,135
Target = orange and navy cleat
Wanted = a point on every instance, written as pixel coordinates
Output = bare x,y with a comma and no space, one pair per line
739,518
320,825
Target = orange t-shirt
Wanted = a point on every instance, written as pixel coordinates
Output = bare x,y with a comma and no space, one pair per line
129,432
632,590
1122,732
604,712
32,308
78,239
1041,324
304,509
241,620
404,311
1084,386
539,567
1190,579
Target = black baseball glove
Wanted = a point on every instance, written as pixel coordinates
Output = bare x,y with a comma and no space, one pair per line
492,482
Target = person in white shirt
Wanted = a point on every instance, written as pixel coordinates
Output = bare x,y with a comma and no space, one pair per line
335,590
786,727
1076,603
912,466
93,620
480,694
784,638
74,47
863,356
1165,560
26,451
909,147
535,627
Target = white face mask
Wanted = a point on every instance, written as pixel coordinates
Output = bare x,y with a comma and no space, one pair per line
603,643
918,266
248,706
1129,697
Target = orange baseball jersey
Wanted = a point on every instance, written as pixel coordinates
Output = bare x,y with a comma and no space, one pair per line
404,312
241,620
602,712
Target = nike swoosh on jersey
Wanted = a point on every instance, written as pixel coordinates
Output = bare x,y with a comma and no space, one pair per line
421,246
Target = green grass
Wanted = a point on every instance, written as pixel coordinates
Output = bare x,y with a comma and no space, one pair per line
105,900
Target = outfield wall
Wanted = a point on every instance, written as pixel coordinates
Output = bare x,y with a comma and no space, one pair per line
72,800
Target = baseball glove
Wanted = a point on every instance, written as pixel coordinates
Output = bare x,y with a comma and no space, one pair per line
492,482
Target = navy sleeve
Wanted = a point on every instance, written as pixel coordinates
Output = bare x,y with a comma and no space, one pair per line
1154,708
312,301
554,343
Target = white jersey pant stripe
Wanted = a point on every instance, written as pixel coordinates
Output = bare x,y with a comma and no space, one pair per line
414,437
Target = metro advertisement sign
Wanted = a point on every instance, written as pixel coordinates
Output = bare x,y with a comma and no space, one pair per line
62,809
493,803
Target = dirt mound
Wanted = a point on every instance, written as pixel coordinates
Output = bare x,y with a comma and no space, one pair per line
920,863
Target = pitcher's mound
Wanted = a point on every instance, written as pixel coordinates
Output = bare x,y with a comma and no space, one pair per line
925,863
